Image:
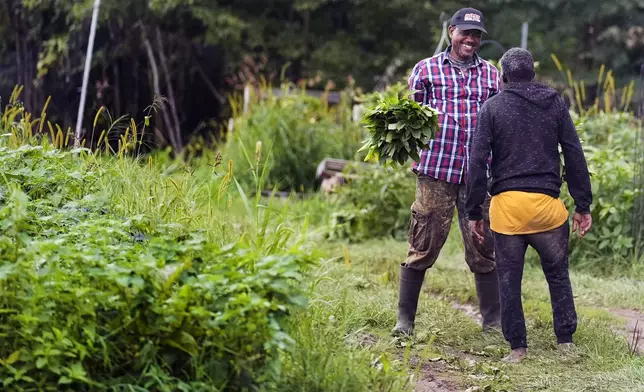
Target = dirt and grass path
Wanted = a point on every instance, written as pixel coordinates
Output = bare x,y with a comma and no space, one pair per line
356,293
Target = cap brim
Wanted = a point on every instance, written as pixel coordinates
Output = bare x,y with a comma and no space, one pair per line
470,27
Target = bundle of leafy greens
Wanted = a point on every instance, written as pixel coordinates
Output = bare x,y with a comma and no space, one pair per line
399,127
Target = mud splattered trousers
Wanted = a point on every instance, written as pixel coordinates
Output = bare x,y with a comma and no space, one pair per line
431,221
552,247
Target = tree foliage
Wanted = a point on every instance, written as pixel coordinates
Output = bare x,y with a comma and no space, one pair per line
194,52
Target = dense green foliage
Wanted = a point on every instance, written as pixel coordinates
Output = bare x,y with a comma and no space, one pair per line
124,275
399,127
609,141
287,136
93,300
375,204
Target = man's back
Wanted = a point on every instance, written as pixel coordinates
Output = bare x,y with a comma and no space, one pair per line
526,126
523,127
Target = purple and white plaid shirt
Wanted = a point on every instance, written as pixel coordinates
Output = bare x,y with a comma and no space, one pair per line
457,95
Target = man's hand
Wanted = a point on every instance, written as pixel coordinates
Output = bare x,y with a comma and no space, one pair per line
583,222
478,230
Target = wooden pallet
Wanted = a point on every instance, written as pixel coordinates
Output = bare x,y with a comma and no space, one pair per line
330,167
331,172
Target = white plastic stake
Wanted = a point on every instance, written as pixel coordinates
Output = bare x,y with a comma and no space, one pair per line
88,63
524,35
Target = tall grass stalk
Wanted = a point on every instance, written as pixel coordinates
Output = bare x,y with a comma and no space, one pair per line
607,98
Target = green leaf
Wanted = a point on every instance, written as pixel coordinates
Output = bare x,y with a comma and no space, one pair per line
184,342
13,358
41,362
77,372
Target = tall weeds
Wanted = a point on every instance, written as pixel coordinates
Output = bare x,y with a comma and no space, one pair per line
608,130
296,132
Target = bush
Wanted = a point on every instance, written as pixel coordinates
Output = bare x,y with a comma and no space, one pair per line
609,141
94,301
377,203
296,133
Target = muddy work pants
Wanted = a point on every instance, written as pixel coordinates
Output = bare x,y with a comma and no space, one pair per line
552,247
431,221
432,214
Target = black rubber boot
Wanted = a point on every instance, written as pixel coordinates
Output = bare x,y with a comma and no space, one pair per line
487,290
410,283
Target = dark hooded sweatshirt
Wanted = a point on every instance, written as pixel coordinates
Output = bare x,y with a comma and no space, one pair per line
523,126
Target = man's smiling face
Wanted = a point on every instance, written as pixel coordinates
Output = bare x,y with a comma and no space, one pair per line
464,43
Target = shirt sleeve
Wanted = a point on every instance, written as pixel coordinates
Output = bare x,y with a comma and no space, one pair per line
477,179
419,80
577,175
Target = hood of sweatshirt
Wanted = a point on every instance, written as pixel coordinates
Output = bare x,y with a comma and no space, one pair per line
535,93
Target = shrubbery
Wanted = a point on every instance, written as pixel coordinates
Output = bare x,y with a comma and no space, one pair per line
91,300
375,204
296,132
609,140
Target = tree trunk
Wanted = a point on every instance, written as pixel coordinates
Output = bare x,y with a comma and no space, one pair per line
117,75
26,61
137,87
22,56
38,93
117,90
171,96
20,67
157,89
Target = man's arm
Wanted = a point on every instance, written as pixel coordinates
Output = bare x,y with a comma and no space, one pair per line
419,80
477,179
577,175
496,83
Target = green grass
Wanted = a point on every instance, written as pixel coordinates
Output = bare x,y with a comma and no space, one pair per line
357,293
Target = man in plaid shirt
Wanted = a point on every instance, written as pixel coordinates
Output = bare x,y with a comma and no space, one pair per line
456,82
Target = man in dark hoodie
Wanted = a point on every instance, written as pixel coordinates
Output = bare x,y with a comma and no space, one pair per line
523,126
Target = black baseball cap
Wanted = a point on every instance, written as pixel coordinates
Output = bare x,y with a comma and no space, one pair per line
468,19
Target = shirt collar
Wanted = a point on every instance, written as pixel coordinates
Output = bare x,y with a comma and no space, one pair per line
445,57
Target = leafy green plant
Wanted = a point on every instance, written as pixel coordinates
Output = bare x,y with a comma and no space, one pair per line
399,127
95,300
608,140
375,203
